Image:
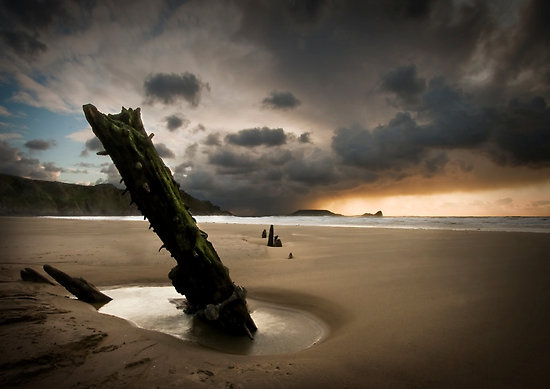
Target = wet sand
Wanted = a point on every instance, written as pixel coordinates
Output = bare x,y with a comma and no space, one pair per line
405,308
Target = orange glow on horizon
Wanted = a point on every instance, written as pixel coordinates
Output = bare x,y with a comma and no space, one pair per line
532,201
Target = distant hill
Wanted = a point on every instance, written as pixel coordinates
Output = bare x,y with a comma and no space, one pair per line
377,214
314,212
24,197
325,212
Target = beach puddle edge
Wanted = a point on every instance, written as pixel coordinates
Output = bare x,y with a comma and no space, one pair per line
282,328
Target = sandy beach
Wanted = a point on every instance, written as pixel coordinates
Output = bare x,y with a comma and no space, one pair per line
404,308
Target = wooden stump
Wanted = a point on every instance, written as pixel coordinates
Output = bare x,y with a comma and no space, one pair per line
270,239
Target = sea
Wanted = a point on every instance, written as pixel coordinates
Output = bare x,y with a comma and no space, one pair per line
462,223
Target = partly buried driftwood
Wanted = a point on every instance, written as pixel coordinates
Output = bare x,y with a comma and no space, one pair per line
199,274
81,288
30,275
270,239
273,241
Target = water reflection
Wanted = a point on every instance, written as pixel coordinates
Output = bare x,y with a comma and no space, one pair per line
280,329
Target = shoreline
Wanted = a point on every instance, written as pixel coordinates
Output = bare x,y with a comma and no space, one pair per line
531,224
428,308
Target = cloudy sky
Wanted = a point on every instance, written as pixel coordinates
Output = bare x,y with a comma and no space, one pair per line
413,107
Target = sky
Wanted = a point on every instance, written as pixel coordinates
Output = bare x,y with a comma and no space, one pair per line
264,107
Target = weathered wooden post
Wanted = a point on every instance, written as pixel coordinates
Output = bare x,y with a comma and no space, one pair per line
270,238
81,288
199,274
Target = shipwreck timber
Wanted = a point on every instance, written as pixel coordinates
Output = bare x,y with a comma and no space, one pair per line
199,273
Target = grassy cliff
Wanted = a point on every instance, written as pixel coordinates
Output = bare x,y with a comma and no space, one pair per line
23,197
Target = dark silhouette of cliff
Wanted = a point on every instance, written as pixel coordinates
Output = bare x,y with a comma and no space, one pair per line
24,197
314,212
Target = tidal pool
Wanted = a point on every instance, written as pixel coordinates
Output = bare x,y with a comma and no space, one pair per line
280,329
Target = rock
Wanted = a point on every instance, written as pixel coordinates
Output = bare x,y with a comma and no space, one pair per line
290,256
264,233
278,243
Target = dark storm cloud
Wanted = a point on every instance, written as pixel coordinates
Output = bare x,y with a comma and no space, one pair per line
198,182
306,11
309,171
258,137
406,85
35,13
394,146
520,134
16,163
517,134
264,183
26,23
39,144
23,44
305,137
333,54
514,135
259,180
241,196
456,121
414,9
231,162
526,47
436,164
62,17
92,144
318,41
164,151
212,140
169,88
176,121
280,100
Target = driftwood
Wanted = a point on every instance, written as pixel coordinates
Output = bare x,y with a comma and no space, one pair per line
273,241
81,288
270,238
199,274
31,275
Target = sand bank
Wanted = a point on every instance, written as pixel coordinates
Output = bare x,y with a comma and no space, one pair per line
406,308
